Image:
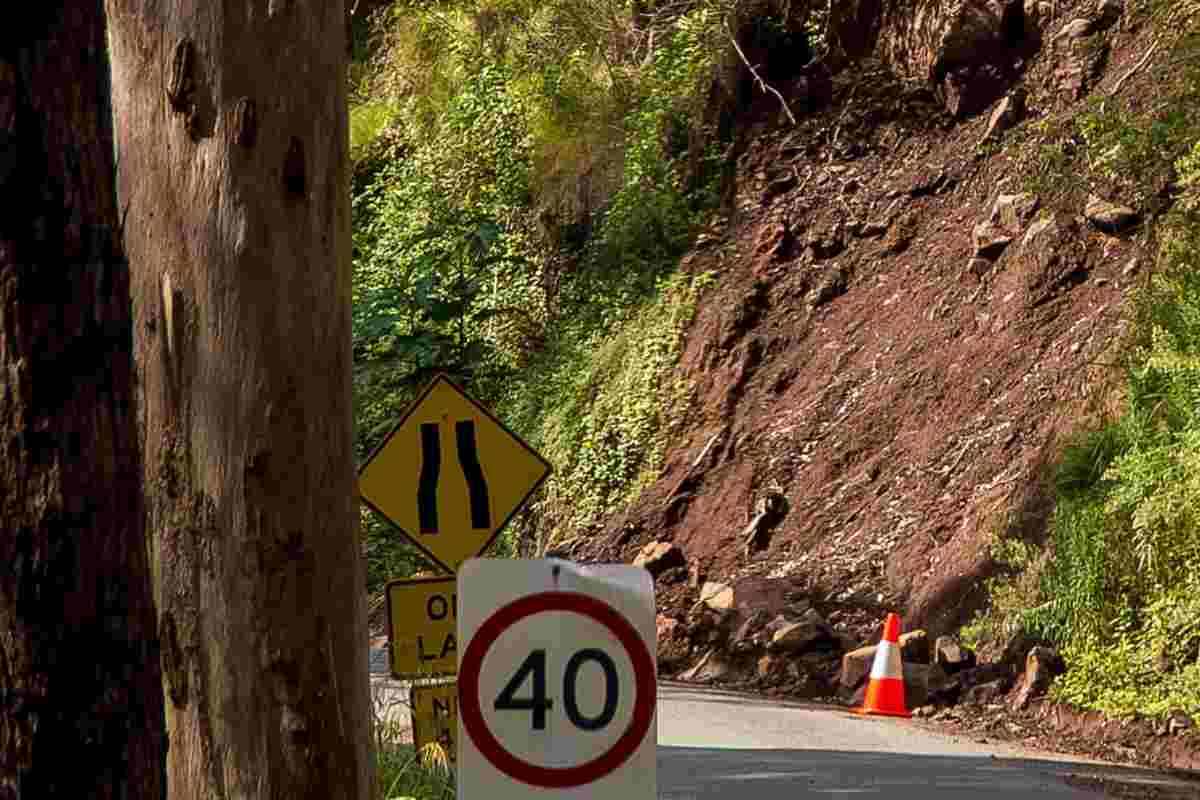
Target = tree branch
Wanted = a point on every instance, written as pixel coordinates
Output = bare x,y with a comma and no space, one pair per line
758,78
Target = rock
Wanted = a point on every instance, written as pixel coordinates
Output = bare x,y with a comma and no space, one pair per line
1130,270
717,596
796,637
1108,12
856,666
990,240
943,689
748,635
673,576
1178,722
1008,113
1075,29
695,576
1012,212
1108,216
986,673
673,647
978,266
972,87
916,684
712,666
923,712
1041,666
914,647
985,693
951,656
657,557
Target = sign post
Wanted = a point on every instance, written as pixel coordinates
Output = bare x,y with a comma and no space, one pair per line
449,476
557,680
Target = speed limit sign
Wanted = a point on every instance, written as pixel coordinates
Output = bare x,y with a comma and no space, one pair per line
556,680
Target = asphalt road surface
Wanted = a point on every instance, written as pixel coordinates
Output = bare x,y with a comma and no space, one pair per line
714,744
721,745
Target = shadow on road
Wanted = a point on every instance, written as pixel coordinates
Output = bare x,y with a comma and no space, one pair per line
685,772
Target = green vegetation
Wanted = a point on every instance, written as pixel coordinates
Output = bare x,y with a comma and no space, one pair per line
527,175
400,771
1120,590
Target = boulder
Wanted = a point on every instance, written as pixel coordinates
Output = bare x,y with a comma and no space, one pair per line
673,646
1041,666
657,557
1109,217
749,634
1008,113
717,596
712,666
856,666
964,46
990,240
985,693
951,656
914,647
1012,212
799,636
916,684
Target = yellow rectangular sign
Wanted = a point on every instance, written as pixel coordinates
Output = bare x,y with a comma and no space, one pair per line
435,717
422,617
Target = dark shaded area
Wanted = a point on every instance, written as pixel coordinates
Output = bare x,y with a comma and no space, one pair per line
796,774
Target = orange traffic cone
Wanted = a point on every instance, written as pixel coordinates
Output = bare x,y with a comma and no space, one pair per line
885,692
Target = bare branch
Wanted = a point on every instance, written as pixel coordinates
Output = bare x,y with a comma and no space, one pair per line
758,78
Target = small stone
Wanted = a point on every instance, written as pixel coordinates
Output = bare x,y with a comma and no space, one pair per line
985,693
1041,665
1075,29
1131,269
1108,216
978,266
711,667
1108,12
924,712
990,240
914,647
658,557
799,636
717,596
1013,211
951,656
1008,112
1179,722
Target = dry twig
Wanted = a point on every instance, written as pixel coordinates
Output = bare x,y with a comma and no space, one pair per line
758,78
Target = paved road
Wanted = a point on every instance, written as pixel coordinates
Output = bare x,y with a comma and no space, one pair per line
714,744
722,745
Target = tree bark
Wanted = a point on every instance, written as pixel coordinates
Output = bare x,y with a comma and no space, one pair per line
81,709
232,147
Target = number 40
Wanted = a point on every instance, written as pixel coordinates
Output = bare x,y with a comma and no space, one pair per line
539,704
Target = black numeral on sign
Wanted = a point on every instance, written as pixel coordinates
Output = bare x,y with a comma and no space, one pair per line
539,704
571,681
431,467
508,701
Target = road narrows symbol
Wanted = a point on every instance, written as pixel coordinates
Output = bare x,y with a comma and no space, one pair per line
468,458
431,465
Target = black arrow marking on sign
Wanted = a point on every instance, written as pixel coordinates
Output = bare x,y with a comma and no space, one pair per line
431,463
468,458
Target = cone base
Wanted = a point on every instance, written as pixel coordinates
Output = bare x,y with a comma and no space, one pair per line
875,712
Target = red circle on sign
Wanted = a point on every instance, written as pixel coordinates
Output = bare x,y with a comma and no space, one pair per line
491,748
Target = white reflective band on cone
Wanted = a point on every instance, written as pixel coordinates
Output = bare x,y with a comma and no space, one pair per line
887,662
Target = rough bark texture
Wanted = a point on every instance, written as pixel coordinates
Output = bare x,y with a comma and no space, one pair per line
232,147
81,711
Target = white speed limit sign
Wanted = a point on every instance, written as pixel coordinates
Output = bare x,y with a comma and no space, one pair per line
556,681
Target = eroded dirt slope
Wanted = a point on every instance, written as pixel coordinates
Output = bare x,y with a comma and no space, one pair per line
881,380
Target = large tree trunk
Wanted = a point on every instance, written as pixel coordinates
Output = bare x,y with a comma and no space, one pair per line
232,157
81,708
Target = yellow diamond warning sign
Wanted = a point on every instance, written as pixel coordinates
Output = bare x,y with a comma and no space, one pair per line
450,475
422,615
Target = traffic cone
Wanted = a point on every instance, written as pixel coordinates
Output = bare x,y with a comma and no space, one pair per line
885,692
